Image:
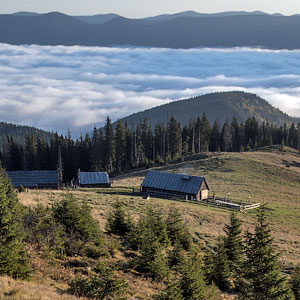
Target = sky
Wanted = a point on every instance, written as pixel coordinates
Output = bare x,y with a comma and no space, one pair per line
145,8
58,87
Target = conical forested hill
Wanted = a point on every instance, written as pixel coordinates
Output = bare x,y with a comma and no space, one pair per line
220,106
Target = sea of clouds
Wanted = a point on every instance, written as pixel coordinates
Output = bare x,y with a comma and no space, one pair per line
56,87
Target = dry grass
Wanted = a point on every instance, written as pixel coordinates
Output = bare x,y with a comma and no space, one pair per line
11,289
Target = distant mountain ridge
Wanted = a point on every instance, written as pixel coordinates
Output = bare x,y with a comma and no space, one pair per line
217,106
102,18
182,30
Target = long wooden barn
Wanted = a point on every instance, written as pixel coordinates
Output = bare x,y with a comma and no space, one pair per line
175,185
34,179
93,179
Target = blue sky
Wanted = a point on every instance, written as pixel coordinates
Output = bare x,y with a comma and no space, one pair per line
56,87
142,8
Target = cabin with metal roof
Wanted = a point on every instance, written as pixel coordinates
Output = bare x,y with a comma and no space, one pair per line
175,185
34,179
93,179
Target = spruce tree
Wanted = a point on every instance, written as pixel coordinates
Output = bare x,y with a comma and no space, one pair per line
13,257
176,255
192,281
217,265
120,147
151,260
262,279
118,222
177,231
172,291
295,283
233,243
104,285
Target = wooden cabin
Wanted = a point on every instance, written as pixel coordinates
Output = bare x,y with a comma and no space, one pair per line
175,185
34,179
93,179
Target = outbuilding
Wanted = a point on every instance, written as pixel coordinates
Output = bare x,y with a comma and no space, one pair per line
34,179
175,185
93,179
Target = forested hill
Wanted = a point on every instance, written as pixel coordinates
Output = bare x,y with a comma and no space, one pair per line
220,106
19,132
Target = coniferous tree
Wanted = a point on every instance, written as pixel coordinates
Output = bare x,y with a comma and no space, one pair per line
206,132
295,283
104,285
233,243
215,138
174,133
172,291
30,153
261,277
176,255
226,137
109,146
156,224
96,150
13,257
151,260
192,281
217,265
118,222
120,147
177,230
236,135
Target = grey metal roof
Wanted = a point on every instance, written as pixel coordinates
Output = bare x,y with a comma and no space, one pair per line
33,178
173,182
93,177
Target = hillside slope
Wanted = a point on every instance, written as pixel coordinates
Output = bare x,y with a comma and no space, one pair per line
269,176
220,106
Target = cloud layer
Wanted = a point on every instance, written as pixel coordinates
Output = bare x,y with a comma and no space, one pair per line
56,87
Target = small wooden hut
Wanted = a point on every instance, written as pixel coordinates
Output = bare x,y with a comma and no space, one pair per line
93,179
34,179
175,185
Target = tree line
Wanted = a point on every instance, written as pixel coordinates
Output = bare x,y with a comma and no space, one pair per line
119,148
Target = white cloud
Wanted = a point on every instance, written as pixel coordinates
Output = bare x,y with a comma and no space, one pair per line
56,87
